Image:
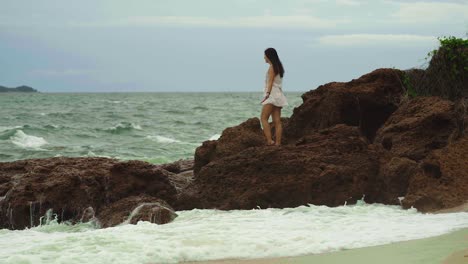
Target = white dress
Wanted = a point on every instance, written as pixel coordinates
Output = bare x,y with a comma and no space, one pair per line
277,97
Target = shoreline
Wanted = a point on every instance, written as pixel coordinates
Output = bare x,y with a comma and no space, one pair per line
451,248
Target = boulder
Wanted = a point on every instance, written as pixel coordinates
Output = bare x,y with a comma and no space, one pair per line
132,209
418,127
366,102
232,141
329,167
74,189
442,179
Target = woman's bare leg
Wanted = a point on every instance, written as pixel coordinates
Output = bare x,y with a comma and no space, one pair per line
278,126
266,112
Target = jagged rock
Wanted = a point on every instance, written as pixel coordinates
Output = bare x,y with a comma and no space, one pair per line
418,127
393,179
329,167
71,186
232,140
442,180
179,166
135,177
366,102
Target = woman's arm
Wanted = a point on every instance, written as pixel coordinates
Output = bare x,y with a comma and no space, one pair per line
271,77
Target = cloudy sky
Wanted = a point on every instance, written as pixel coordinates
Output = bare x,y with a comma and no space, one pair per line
213,45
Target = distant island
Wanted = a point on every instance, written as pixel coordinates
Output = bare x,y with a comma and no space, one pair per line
21,89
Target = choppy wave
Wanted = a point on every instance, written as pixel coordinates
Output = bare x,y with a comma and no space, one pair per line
199,235
162,139
7,128
24,140
123,127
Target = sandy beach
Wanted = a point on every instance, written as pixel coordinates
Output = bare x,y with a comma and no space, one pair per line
450,248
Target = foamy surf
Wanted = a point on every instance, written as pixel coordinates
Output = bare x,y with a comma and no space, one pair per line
198,235
123,126
215,137
162,139
24,140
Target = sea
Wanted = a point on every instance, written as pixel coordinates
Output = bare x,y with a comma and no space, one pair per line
165,127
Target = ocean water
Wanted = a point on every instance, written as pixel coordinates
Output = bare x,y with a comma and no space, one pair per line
155,127
164,127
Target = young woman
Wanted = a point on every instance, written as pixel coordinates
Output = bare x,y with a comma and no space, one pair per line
274,98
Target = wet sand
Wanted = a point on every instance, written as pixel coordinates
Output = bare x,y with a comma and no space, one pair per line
448,249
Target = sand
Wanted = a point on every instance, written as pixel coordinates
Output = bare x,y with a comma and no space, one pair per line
448,249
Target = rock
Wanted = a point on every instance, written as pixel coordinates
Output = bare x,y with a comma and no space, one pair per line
133,177
418,127
232,141
329,167
132,209
393,180
73,188
442,179
366,102
181,180
179,166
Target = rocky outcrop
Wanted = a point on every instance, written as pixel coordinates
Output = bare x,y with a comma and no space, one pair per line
418,127
346,141
81,189
366,102
329,167
442,179
233,140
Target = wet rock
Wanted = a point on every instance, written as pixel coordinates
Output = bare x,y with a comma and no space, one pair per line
442,179
393,180
70,186
132,209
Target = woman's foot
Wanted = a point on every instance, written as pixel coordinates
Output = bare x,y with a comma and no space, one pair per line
272,143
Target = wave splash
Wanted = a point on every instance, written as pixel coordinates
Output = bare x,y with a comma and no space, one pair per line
239,234
123,127
24,140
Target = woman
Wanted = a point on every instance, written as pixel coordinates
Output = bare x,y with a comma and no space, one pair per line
274,98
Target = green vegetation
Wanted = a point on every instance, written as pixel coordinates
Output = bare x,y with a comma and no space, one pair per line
447,73
410,91
454,51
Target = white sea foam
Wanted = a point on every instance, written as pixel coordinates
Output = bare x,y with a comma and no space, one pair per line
24,140
215,137
162,139
124,126
5,128
211,234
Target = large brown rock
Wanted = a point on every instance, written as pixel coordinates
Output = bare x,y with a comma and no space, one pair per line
418,127
366,102
442,179
74,188
232,141
329,167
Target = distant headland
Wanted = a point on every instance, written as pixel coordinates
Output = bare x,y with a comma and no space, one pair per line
21,89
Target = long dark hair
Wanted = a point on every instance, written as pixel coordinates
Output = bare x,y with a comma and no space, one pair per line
272,55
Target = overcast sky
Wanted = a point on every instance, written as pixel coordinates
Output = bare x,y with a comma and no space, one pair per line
213,45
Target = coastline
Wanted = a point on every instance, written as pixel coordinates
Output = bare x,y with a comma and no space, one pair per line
451,248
